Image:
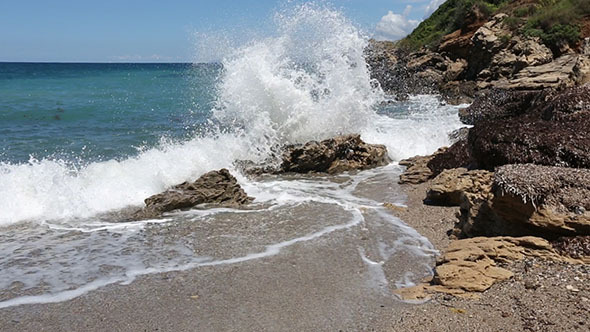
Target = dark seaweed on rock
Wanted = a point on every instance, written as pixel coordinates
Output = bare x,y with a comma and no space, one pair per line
574,246
526,139
500,104
456,156
565,189
573,100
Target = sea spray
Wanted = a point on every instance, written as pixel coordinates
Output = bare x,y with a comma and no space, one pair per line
309,81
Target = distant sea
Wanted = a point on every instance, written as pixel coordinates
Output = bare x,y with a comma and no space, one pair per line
99,111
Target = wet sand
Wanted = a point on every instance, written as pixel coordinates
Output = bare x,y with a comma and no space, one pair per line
320,285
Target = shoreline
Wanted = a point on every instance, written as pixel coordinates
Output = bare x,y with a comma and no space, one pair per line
542,296
226,297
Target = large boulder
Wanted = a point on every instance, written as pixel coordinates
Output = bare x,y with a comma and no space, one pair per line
528,139
217,188
525,200
499,104
457,155
334,155
555,200
449,187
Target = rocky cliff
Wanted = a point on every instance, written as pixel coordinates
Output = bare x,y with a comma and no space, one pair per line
467,46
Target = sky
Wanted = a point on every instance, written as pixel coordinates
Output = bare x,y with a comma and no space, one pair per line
166,31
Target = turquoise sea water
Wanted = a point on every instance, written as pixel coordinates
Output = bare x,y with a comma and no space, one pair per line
81,144
99,111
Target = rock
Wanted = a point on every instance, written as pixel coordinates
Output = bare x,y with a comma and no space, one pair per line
561,73
459,135
458,92
489,36
577,247
449,186
471,265
334,155
388,66
417,170
541,127
547,198
525,200
499,104
517,54
527,139
457,155
559,105
218,188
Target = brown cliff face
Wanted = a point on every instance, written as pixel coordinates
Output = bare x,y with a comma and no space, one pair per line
485,52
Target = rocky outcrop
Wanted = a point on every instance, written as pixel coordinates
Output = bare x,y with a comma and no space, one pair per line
523,200
416,170
528,139
450,185
334,155
457,155
563,72
470,266
420,169
553,199
500,104
217,188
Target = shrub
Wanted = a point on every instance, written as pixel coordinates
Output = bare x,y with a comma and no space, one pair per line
512,22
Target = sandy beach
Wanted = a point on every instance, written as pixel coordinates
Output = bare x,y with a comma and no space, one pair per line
315,286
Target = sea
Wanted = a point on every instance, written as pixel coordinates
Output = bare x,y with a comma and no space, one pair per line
80,142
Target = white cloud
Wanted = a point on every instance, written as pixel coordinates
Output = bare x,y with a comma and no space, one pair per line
432,7
395,26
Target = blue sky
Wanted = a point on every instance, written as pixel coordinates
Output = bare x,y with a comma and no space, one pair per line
164,31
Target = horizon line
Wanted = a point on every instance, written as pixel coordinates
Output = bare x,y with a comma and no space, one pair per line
105,62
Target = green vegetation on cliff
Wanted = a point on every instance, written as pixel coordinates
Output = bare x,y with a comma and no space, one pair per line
449,17
556,22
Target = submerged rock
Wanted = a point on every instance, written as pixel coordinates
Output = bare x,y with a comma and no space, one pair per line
218,188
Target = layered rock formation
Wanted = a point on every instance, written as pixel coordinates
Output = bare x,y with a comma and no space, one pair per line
517,200
484,53
474,265
216,188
